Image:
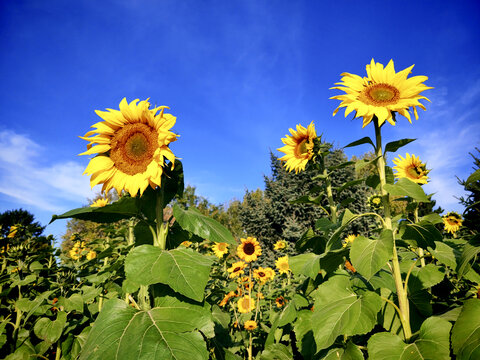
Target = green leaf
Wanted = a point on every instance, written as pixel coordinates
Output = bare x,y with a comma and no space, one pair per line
286,316
306,264
166,332
444,254
340,311
349,184
473,178
184,270
276,352
395,145
372,181
424,233
310,240
48,330
405,187
341,165
470,251
352,352
369,256
434,218
466,331
334,242
360,164
365,140
203,226
432,343
427,276
73,303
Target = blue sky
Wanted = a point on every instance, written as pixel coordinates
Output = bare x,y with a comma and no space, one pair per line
236,74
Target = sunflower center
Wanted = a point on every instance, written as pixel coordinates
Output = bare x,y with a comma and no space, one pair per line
222,246
246,303
284,266
237,269
249,248
452,221
382,94
261,274
301,149
133,147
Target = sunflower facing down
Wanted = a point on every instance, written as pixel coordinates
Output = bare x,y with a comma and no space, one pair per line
349,240
411,168
131,145
381,93
249,249
246,304
298,147
452,222
220,249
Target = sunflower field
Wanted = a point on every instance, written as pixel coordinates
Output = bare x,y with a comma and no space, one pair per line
158,279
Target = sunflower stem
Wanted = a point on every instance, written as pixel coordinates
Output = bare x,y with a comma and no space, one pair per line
397,275
328,190
420,250
161,227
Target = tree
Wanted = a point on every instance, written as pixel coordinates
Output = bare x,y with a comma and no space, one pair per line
472,201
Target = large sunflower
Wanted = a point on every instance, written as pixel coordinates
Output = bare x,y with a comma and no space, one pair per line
131,147
249,249
381,93
411,168
298,147
452,222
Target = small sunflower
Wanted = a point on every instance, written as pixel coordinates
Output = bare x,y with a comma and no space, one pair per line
236,269
411,168
282,265
220,249
13,231
349,240
280,301
375,202
261,275
280,245
186,243
298,147
381,93
270,273
99,202
246,304
250,325
91,255
249,249
452,222
131,147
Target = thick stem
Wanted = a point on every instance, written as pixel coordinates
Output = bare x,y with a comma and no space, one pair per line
420,250
397,275
58,352
161,228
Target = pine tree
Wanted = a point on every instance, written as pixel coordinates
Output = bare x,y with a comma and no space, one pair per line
472,201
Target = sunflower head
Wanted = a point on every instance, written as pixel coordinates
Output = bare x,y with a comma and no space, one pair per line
250,325
246,304
131,146
411,168
349,240
280,245
282,265
99,202
298,147
261,275
227,297
220,249
452,222
280,301
249,249
91,255
236,269
382,93
375,202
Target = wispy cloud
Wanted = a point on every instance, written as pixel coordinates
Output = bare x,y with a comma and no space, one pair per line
50,187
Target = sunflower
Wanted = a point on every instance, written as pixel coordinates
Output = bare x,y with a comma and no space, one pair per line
99,202
452,222
381,93
411,168
261,275
220,249
280,301
186,243
250,325
282,265
131,145
249,249
298,147
349,240
13,231
280,245
227,297
236,269
375,202
91,255
246,304
270,273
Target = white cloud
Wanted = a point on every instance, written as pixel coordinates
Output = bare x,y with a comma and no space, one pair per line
53,187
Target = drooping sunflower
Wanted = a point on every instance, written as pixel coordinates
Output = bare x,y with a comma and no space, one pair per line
280,245
282,265
381,93
411,168
298,147
246,304
349,240
99,202
249,249
236,269
452,221
250,325
131,146
220,249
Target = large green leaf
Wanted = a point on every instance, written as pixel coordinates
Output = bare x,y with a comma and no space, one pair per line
427,276
395,145
473,178
364,140
405,187
424,233
466,332
369,256
351,352
166,332
48,330
276,352
340,311
306,264
202,225
470,251
184,270
432,343
444,254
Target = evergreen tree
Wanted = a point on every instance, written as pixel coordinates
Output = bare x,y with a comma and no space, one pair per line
472,201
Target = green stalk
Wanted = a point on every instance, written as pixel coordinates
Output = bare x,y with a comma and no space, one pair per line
397,275
328,189
421,254
58,353
17,322
161,228
130,241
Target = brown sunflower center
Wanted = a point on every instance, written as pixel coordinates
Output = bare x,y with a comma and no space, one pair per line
221,246
452,221
133,147
261,274
238,268
382,94
301,149
249,248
